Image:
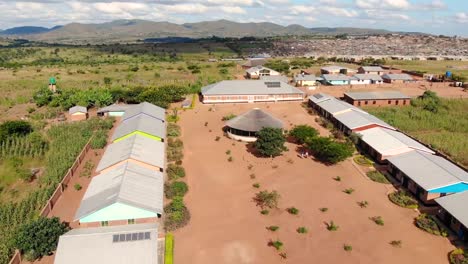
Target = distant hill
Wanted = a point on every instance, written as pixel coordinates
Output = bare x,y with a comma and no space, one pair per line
27,30
134,30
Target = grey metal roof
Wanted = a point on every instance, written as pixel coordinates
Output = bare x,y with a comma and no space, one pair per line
429,171
248,87
357,118
129,184
142,123
77,109
254,62
320,97
136,147
334,106
258,68
306,77
373,77
280,78
254,120
381,95
455,204
115,108
397,76
335,77
387,141
146,109
96,246
372,68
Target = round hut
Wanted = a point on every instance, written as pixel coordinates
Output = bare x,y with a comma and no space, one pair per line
246,126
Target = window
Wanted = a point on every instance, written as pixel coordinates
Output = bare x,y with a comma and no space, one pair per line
131,221
104,223
389,101
359,103
404,102
396,102
366,102
374,102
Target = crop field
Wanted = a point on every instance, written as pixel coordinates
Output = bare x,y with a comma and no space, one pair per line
445,130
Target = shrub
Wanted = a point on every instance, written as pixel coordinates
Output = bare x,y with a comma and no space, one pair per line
273,228
228,117
276,244
252,176
401,198
377,176
293,210
169,249
458,256
302,132
283,255
348,191
363,161
217,138
77,186
302,230
177,215
266,199
396,243
99,140
223,71
323,209
378,220
256,185
270,142
175,143
332,226
230,159
228,152
329,151
175,172
177,188
264,212
250,167
431,225
347,247
363,204
173,130
39,237
337,178
174,154
14,128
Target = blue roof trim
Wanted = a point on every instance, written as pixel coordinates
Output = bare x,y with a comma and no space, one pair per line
454,188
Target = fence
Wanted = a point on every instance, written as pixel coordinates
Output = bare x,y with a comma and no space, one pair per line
16,259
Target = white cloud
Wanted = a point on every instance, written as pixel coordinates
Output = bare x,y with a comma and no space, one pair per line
329,10
461,17
383,4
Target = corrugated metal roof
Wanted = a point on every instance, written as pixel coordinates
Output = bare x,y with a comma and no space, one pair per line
381,95
280,78
115,108
334,106
136,147
306,77
248,87
357,118
373,77
146,109
77,109
387,141
455,204
259,68
254,121
142,123
397,76
335,77
320,97
129,184
429,171
96,246
372,68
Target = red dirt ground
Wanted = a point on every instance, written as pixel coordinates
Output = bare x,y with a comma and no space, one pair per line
226,226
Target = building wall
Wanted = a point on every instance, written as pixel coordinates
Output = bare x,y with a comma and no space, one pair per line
338,82
117,212
251,98
453,224
306,83
380,102
139,133
121,222
116,113
394,81
78,116
358,82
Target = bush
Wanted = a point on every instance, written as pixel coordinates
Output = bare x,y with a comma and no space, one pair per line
431,225
266,199
377,176
348,191
329,151
331,226
223,71
174,154
177,215
458,256
77,186
175,143
169,249
43,96
175,189
293,210
264,212
323,209
363,161
302,230
273,228
230,159
39,237
99,140
337,178
228,117
347,247
401,198
377,220
175,172
396,243
256,185
14,128
173,130
363,204
270,142
303,132
276,244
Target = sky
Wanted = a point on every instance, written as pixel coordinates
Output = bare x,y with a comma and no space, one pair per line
447,17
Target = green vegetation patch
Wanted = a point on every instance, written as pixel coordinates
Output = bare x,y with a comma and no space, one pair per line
403,199
458,256
377,176
430,224
169,249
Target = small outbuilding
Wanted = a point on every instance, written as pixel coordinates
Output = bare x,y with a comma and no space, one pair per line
245,126
371,70
334,69
308,80
366,79
78,113
397,78
380,98
259,71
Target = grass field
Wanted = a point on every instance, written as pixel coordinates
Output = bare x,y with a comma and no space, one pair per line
432,67
446,130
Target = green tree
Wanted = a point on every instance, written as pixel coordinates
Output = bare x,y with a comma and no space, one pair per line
302,132
14,128
329,151
39,237
270,142
43,97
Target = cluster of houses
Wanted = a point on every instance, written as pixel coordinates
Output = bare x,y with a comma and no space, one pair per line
121,207
330,75
428,176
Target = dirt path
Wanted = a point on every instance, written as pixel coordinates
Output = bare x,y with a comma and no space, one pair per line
226,226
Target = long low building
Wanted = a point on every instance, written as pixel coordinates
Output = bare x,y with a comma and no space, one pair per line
127,194
381,98
454,213
428,176
136,149
143,125
249,91
128,244
145,109
382,143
